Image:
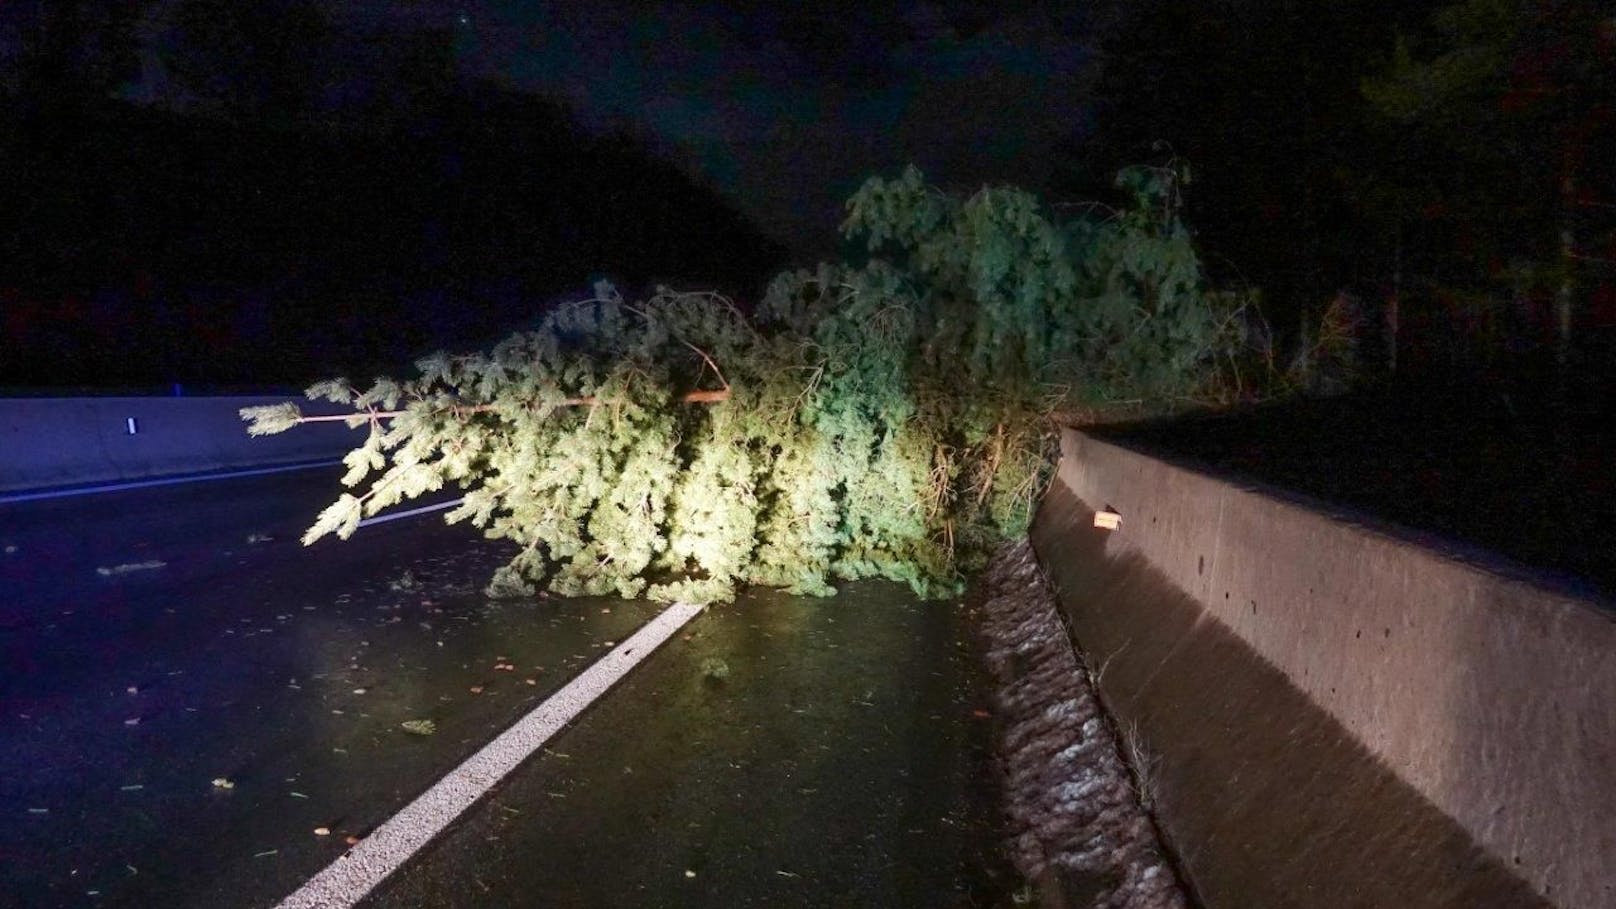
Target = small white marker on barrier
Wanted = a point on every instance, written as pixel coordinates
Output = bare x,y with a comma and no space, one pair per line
1107,519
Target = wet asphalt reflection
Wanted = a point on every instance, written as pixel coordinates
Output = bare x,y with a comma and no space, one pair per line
196,710
179,728
782,752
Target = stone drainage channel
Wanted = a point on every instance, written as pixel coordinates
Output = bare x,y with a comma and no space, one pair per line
1075,788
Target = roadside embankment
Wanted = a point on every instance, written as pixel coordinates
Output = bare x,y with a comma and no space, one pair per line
47,442
1333,712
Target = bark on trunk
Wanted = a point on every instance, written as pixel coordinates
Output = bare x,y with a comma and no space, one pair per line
1565,295
1394,304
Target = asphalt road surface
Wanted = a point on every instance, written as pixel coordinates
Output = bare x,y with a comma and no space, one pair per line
189,696
791,753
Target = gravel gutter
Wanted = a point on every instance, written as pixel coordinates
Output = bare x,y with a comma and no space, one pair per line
1077,826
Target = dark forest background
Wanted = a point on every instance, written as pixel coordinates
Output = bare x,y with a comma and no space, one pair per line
1445,168
1440,174
268,233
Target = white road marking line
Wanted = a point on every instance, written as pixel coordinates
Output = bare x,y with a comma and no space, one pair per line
424,509
353,876
255,472
162,481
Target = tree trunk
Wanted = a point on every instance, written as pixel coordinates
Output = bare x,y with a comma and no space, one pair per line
1566,293
1394,304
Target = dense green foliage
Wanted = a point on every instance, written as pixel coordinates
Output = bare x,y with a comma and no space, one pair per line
890,418
1446,163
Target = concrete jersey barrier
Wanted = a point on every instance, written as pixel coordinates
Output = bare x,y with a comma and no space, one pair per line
1337,713
48,442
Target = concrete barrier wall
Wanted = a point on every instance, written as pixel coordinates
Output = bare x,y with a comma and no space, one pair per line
47,442
1359,696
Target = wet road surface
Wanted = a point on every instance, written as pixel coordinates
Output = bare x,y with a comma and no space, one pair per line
286,671
790,752
153,641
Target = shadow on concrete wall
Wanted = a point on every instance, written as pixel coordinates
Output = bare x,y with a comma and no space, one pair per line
1268,800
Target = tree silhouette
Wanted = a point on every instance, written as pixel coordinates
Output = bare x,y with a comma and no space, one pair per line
266,61
1519,98
77,52
1261,97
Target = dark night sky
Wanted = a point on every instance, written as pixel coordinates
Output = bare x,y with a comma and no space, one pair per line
1303,187
784,108
787,111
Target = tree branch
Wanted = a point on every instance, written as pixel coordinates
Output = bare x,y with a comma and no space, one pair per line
701,396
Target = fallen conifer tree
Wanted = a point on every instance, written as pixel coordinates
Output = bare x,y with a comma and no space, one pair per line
890,419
